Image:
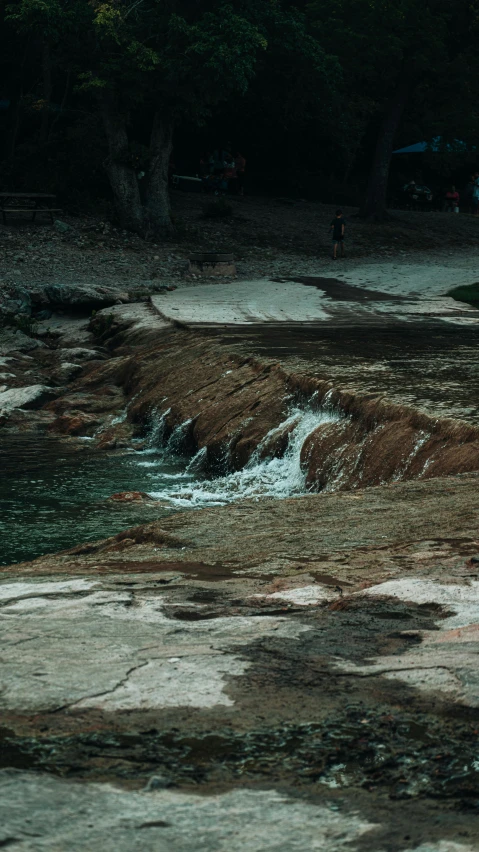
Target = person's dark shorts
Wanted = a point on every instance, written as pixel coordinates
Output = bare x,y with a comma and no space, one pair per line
338,239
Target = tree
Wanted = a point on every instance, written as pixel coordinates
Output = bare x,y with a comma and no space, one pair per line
166,58
392,52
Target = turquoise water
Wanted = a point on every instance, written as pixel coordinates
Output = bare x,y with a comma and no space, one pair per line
56,495
53,497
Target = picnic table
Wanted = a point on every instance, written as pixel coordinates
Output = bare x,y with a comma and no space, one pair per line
27,202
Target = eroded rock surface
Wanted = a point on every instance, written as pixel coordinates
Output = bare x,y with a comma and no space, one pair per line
32,396
265,675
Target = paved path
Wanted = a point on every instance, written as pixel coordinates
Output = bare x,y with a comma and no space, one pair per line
363,297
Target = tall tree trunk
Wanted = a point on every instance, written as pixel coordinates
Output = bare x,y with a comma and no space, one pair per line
15,110
121,174
374,206
59,114
157,193
47,90
13,126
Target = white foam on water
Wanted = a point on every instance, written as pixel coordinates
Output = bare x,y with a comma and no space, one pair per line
269,477
157,431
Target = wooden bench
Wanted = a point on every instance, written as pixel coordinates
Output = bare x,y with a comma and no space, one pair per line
27,202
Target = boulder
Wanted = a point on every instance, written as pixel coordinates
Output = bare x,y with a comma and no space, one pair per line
16,341
78,423
32,396
16,301
67,371
83,296
70,331
81,353
62,227
131,497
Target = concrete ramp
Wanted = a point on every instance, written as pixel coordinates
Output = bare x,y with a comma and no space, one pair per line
315,300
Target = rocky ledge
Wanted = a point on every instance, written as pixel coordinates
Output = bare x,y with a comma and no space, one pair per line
311,659
271,674
134,373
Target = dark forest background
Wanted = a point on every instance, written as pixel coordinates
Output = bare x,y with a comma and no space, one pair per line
98,98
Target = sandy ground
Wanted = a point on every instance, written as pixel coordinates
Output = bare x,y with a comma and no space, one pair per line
267,237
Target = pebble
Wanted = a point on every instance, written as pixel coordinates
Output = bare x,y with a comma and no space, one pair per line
157,782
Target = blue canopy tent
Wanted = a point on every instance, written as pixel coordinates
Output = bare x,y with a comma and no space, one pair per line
435,145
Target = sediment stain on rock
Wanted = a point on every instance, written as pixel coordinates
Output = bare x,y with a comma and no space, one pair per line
238,647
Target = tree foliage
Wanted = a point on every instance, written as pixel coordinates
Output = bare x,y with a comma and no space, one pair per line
320,81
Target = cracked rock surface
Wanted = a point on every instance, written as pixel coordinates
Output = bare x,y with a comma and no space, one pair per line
312,679
265,675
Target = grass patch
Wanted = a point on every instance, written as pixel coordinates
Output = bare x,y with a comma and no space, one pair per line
468,293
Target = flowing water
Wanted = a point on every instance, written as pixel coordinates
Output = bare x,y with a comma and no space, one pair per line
262,477
53,497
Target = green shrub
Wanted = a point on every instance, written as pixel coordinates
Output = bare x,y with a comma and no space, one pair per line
468,293
19,322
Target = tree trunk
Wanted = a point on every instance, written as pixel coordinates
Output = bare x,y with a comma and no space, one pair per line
47,90
59,114
13,126
158,211
14,114
120,172
374,206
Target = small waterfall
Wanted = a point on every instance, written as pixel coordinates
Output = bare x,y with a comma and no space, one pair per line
262,477
120,418
115,421
197,463
157,431
421,440
180,441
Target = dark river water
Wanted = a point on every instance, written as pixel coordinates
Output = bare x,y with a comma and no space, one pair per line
53,497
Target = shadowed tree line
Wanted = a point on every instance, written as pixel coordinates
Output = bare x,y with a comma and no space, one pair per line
93,92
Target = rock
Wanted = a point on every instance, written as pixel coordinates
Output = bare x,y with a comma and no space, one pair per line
16,301
86,296
62,227
81,353
32,396
75,423
67,371
158,782
130,497
211,264
43,315
69,331
11,341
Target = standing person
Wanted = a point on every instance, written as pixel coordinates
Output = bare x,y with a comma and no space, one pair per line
218,164
337,231
410,190
475,195
452,200
205,164
240,164
230,176
469,194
